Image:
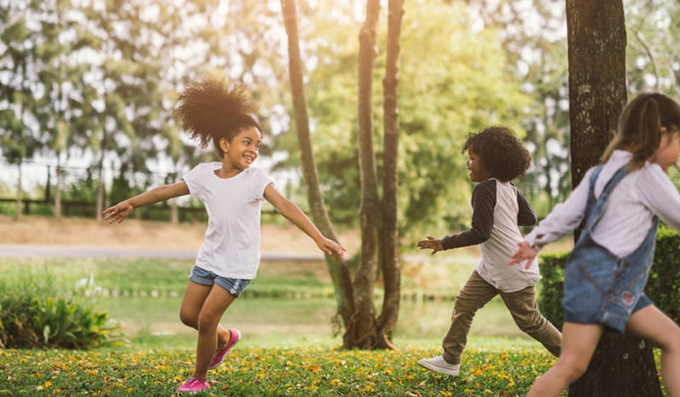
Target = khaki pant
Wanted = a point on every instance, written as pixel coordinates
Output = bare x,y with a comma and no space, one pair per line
522,305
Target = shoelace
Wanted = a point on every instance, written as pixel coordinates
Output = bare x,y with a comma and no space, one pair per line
193,381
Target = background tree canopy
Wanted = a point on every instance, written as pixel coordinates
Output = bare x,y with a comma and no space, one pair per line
92,84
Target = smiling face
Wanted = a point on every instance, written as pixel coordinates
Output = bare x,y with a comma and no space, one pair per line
478,171
243,150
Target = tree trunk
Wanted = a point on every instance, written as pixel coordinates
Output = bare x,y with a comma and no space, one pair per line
390,233
597,93
339,272
20,192
57,193
369,210
174,212
100,192
621,366
596,35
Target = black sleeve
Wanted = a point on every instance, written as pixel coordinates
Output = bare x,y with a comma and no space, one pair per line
526,215
483,204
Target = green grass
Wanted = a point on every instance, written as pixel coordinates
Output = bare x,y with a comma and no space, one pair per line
144,295
151,276
299,371
288,347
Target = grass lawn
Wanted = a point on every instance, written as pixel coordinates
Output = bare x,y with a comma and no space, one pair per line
299,371
287,350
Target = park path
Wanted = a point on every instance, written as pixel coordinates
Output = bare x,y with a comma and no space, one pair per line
22,251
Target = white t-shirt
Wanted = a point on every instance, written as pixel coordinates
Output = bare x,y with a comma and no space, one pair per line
629,211
232,240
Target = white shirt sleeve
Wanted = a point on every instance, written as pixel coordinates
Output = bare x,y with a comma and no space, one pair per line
195,180
564,218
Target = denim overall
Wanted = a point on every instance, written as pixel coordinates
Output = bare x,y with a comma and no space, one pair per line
599,287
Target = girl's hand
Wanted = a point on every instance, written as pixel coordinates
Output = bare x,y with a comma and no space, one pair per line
524,252
431,243
118,212
329,247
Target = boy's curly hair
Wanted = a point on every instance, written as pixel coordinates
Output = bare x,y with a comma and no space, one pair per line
501,153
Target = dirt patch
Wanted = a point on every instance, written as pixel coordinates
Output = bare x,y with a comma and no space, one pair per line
146,234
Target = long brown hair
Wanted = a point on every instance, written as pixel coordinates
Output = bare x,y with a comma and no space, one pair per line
640,123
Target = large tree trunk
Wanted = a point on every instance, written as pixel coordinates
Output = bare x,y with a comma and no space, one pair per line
339,272
597,94
390,233
369,210
621,366
596,35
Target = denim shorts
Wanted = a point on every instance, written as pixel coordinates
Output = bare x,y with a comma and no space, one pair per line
234,286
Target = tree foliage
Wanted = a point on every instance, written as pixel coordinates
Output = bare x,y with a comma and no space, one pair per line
441,100
99,80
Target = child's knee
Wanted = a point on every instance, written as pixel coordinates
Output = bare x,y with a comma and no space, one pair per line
671,341
207,321
188,319
572,369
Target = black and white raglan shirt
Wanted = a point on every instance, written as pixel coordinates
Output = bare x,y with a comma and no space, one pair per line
498,209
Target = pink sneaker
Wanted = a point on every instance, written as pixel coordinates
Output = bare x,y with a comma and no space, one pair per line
218,358
193,385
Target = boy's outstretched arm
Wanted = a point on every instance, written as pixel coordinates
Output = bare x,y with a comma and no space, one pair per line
294,214
121,210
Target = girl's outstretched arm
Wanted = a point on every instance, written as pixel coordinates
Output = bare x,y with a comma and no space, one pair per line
294,214
524,252
121,210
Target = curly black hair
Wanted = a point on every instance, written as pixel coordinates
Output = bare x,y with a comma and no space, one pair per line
215,108
501,153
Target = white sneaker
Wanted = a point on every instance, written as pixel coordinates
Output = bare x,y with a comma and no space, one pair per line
438,364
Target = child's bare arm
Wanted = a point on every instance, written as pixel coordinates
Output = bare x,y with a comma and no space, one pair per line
294,214
524,252
123,209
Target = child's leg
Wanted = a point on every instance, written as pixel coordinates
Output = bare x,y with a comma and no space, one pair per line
653,324
192,302
214,306
578,345
475,294
522,306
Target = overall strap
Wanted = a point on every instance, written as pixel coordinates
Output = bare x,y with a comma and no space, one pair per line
595,207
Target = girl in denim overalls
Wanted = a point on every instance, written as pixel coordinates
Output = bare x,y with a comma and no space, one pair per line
619,203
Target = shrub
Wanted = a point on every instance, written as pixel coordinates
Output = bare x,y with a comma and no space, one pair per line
550,295
37,314
663,286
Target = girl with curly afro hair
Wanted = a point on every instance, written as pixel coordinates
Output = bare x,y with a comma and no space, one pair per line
495,157
217,111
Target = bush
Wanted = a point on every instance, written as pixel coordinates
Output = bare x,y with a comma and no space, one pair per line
550,295
36,314
663,286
